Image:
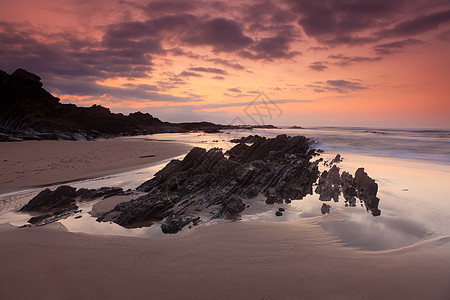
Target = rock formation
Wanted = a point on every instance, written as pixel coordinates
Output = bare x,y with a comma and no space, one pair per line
331,184
208,183
28,111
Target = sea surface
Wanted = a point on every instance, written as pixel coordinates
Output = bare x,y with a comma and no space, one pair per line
411,167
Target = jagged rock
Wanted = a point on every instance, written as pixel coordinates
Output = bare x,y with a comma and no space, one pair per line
173,224
230,207
54,216
48,200
248,139
279,168
325,209
367,190
329,184
361,186
65,195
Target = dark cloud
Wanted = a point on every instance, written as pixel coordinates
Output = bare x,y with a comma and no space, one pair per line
224,35
209,70
316,49
395,47
317,66
272,48
190,74
339,86
337,22
240,95
226,63
234,90
342,60
418,25
444,36
31,50
170,6
218,78
86,87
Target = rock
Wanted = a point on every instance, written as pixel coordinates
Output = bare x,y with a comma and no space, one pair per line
48,200
230,207
281,209
173,224
54,216
329,185
367,190
248,139
278,213
325,209
65,195
25,106
279,168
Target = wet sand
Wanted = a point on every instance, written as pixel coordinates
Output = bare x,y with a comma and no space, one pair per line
227,261
38,163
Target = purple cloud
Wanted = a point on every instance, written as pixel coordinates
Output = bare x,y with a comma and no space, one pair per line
395,47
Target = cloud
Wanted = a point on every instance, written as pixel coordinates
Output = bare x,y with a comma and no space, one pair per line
234,90
218,78
224,35
317,66
418,25
271,48
190,74
343,22
137,93
395,47
316,49
209,70
339,86
226,63
342,60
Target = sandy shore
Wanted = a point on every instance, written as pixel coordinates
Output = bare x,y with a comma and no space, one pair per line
35,163
226,261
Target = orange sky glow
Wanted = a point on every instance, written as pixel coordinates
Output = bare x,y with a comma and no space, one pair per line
375,63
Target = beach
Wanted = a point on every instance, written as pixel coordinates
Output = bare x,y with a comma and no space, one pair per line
226,261
38,163
347,254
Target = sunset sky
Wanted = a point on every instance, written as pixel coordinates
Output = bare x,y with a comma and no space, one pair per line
381,63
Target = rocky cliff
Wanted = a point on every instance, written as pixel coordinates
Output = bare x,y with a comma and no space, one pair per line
28,111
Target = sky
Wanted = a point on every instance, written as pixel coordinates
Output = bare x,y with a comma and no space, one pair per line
373,63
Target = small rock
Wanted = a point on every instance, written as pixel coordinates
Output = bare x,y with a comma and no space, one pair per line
278,213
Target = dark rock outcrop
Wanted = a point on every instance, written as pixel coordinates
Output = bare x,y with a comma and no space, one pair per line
331,184
208,182
325,209
48,200
29,112
64,196
248,139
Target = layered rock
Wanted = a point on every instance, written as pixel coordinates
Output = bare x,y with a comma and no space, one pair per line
208,182
331,185
61,203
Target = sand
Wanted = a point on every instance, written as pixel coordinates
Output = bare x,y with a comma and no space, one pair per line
227,261
39,163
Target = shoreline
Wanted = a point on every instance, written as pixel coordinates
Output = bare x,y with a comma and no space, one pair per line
34,164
